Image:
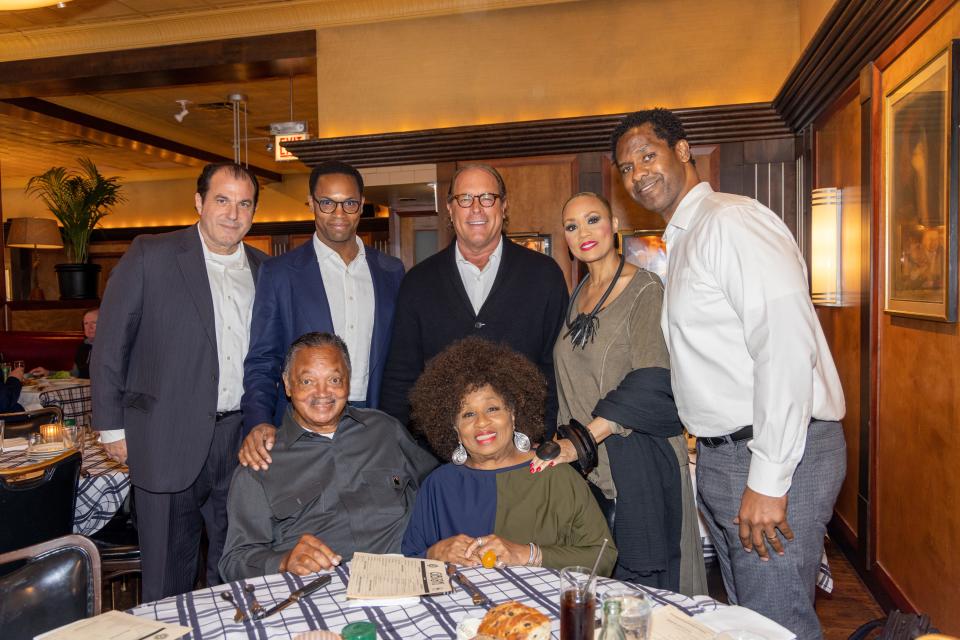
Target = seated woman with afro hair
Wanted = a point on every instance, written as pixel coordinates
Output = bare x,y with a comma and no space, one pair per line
480,405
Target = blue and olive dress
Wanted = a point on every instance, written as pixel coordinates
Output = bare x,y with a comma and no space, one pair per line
553,509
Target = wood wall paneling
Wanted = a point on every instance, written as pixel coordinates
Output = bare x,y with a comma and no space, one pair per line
853,33
704,125
537,188
838,164
918,485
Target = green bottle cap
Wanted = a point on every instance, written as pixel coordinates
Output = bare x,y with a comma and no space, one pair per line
359,631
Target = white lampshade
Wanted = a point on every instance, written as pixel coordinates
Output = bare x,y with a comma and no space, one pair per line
825,247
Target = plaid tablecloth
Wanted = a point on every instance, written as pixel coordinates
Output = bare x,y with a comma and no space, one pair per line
102,489
30,396
211,617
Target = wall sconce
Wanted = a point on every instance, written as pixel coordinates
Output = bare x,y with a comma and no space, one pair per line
826,274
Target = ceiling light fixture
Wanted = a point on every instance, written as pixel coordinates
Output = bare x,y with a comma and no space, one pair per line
239,102
183,110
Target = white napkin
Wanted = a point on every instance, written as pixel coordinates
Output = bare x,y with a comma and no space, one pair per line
730,618
14,444
381,603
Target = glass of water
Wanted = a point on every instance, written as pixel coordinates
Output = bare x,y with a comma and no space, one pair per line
71,435
635,611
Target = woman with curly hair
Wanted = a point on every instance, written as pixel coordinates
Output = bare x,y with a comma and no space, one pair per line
481,404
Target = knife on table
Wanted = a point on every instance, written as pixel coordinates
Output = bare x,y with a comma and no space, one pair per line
479,599
296,596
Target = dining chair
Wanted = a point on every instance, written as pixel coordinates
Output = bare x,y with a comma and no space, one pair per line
38,500
20,424
119,545
48,585
75,402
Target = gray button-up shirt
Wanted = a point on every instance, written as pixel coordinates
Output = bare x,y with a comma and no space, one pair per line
354,491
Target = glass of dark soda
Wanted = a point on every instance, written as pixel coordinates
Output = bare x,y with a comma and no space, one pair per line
577,604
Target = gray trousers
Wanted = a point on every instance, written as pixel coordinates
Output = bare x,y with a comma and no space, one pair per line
783,588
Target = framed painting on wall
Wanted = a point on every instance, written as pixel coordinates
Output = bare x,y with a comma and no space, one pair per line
646,249
539,242
920,191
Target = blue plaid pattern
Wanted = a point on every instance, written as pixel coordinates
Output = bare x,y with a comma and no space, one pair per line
102,488
211,617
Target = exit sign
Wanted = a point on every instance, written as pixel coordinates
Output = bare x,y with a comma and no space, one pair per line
279,153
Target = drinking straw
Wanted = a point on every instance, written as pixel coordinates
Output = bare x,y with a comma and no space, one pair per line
593,574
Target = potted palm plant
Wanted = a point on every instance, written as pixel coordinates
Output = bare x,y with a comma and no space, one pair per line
79,200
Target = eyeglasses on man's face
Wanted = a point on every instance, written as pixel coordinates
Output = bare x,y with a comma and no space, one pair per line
329,205
465,200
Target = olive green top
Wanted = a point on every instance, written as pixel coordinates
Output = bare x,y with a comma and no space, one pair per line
555,510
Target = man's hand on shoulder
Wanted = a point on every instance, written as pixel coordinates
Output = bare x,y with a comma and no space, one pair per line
760,517
309,556
116,450
255,450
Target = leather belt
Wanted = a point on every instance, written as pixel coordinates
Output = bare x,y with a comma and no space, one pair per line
744,433
226,414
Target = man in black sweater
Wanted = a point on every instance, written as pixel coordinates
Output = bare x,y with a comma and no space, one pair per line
482,284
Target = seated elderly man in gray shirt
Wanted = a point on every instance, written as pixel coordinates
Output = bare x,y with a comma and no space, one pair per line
342,480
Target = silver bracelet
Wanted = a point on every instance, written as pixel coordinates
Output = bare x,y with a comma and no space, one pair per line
533,554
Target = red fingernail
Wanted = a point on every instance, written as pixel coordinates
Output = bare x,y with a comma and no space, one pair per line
553,462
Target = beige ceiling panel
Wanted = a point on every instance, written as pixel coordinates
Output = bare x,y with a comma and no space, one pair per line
72,35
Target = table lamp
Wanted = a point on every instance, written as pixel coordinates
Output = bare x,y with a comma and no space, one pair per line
34,233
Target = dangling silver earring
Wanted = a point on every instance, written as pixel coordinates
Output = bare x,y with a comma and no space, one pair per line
521,441
460,454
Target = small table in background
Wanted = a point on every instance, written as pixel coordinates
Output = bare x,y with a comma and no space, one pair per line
103,485
30,395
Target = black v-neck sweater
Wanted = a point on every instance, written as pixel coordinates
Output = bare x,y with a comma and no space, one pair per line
525,310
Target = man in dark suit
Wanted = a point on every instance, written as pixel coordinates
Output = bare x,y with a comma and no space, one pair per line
173,330
332,284
482,284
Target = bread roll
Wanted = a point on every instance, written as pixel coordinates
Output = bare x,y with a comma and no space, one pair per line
515,621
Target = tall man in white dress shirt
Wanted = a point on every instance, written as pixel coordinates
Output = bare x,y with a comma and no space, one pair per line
167,367
332,284
751,371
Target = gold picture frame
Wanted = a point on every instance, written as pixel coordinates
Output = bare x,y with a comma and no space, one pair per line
920,191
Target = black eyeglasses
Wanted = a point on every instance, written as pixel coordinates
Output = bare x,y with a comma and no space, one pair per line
328,205
465,200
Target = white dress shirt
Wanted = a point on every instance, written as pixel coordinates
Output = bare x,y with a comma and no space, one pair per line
349,290
232,292
478,282
746,347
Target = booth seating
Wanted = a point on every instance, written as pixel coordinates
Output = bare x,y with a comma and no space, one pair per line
51,349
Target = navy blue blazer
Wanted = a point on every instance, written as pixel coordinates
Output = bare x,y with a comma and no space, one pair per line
290,302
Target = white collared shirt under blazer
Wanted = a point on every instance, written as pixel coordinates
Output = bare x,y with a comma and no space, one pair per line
349,290
746,347
232,291
478,282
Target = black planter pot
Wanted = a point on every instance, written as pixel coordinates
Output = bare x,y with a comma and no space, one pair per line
78,281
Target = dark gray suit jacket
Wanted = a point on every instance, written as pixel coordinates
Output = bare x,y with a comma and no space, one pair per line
154,369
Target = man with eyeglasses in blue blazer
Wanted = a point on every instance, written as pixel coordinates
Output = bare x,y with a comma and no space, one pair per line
334,284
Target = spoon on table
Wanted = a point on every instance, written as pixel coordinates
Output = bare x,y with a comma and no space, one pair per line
255,607
239,616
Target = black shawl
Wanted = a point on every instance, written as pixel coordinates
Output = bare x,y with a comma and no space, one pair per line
644,467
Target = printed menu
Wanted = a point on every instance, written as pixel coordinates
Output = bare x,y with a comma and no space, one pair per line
389,576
